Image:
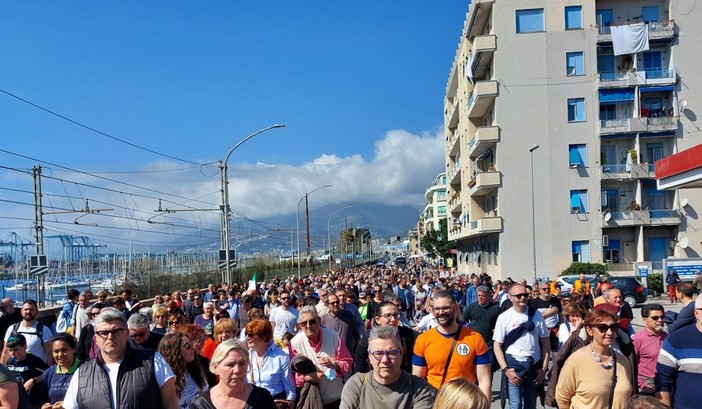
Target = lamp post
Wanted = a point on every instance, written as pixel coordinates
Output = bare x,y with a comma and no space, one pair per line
226,234
329,232
533,216
297,218
363,254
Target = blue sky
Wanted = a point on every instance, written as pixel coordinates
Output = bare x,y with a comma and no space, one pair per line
359,86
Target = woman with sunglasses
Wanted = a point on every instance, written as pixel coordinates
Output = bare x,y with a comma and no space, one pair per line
197,338
160,324
57,377
387,314
178,351
588,377
270,366
174,320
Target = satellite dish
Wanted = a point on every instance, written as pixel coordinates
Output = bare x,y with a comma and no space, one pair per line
684,242
608,216
683,202
683,104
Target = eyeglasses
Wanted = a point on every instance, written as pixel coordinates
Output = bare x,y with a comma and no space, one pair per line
188,346
197,298
604,327
138,334
391,354
172,322
308,323
283,298
160,316
657,317
390,315
115,332
520,295
333,302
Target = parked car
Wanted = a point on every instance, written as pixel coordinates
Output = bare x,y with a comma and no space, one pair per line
633,291
567,282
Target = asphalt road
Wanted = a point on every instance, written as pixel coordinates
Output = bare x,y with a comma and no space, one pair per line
638,326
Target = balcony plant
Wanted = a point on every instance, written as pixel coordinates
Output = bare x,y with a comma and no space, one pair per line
634,156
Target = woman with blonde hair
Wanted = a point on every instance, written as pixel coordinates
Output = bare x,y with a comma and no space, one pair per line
224,329
459,393
231,363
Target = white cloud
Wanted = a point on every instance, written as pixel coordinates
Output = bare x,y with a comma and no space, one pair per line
404,164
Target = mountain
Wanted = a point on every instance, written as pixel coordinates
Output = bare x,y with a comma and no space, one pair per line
279,233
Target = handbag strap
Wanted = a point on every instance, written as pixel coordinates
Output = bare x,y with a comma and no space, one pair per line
448,360
614,379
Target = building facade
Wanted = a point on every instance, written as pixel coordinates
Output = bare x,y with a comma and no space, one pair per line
554,88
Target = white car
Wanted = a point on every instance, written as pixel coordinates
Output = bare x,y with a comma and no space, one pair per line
567,282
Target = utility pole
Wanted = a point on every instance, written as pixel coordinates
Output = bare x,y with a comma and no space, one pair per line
38,218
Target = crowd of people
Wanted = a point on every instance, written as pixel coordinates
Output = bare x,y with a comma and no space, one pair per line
367,337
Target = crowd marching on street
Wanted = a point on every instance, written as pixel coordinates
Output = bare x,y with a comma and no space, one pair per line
363,337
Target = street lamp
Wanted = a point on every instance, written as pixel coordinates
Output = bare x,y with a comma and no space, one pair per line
329,232
297,217
533,216
226,234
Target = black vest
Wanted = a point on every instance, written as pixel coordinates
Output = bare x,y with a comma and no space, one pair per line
136,383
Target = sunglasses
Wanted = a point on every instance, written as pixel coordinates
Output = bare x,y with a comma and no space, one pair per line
308,323
657,317
333,303
604,327
115,332
520,295
188,346
138,334
284,298
172,322
160,316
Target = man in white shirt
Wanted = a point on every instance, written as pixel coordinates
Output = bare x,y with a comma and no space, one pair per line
284,318
142,372
38,335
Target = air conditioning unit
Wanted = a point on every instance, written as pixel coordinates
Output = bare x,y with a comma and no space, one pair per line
605,240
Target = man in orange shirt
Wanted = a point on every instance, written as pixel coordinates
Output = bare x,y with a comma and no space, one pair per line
582,286
451,351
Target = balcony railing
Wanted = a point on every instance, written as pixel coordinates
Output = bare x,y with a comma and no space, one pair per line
663,217
653,27
659,73
627,171
622,125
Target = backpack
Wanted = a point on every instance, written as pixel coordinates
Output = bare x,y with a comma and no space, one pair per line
39,333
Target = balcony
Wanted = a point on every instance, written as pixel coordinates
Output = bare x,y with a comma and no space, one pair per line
481,98
454,174
478,16
620,79
658,76
627,172
485,137
660,124
452,144
626,125
485,225
451,113
455,205
657,31
631,218
486,182
484,47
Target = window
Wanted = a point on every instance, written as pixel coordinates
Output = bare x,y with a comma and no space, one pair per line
603,17
530,21
440,194
577,155
578,201
573,17
574,63
650,14
441,210
576,109
581,251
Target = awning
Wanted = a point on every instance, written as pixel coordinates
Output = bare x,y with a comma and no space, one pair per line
616,96
656,89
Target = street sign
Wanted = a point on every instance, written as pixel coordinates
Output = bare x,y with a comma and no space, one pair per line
223,259
643,271
38,265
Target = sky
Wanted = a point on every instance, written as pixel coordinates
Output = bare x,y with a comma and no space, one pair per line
125,103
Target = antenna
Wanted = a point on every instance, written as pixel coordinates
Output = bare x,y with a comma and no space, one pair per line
608,216
683,105
684,243
683,202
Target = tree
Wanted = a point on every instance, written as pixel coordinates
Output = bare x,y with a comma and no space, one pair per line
436,242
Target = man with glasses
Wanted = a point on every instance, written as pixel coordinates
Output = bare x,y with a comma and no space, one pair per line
647,345
87,346
10,316
284,318
37,334
121,375
551,310
326,350
344,298
522,349
195,310
678,374
140,333
387,385
451,350
341,321
321,306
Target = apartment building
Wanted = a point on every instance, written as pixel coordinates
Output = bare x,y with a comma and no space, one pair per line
601,109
